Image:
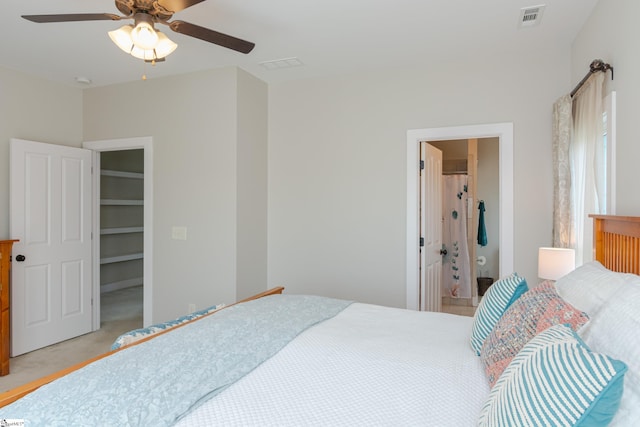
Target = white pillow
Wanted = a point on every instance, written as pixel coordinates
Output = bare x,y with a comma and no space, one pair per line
616,332
589,286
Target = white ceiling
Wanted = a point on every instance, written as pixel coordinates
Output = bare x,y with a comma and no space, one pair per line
328,36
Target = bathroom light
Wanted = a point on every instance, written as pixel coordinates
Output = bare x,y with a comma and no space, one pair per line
553,263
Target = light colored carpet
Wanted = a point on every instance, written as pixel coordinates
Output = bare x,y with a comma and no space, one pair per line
121,311
460,310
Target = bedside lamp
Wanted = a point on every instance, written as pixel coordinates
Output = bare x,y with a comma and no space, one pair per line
553,263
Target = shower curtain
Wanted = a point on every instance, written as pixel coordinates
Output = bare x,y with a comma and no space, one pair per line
456,281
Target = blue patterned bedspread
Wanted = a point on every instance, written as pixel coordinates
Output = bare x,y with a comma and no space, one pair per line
157,382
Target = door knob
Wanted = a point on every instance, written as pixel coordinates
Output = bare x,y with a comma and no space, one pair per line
443,252
20,258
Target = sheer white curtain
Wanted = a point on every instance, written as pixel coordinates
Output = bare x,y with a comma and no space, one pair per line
588,168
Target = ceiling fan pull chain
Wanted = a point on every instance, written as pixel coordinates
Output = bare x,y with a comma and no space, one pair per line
144,69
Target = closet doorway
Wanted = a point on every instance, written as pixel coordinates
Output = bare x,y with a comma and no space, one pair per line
121,237
504,134
122,230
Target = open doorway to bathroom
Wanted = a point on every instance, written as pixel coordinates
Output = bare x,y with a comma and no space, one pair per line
470,178
505,207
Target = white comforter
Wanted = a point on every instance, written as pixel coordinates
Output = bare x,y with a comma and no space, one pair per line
369,365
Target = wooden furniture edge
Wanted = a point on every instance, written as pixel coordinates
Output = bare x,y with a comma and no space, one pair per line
616,242
12,395
273,291
5,303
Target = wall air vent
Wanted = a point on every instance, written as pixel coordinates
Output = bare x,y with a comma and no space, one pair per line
531,16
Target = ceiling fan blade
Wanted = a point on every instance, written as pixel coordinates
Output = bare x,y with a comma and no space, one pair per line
211,36
178,5
72,17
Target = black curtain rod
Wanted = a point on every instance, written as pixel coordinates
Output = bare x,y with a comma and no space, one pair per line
595,66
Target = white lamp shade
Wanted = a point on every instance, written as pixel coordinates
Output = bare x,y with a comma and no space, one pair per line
553,263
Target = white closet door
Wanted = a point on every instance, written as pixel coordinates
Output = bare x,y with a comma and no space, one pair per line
51,272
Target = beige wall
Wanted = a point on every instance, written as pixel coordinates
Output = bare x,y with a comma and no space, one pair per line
337,165
36,110
194,121
251,268
612,34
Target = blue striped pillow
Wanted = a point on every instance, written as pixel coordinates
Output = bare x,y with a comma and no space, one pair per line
494,303
556,380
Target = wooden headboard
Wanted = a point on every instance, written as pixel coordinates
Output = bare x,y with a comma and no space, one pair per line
616,242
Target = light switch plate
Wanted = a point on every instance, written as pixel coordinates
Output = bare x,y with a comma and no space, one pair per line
179,233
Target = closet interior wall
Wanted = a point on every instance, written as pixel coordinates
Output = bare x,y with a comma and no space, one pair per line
121,219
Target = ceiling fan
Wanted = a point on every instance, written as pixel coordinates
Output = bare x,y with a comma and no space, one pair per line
142,40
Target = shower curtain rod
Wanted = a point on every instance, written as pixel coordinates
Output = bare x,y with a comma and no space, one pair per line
595,66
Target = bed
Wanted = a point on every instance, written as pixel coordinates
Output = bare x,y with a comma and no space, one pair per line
278,359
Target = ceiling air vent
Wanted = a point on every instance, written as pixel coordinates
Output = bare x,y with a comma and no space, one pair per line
281,63
530,16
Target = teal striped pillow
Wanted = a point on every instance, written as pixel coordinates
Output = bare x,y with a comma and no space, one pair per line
494,303
556,380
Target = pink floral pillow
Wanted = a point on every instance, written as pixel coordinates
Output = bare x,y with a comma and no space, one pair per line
532,313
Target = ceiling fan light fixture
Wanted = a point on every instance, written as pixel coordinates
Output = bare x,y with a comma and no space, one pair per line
144,35
144,54
165,46
122,37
